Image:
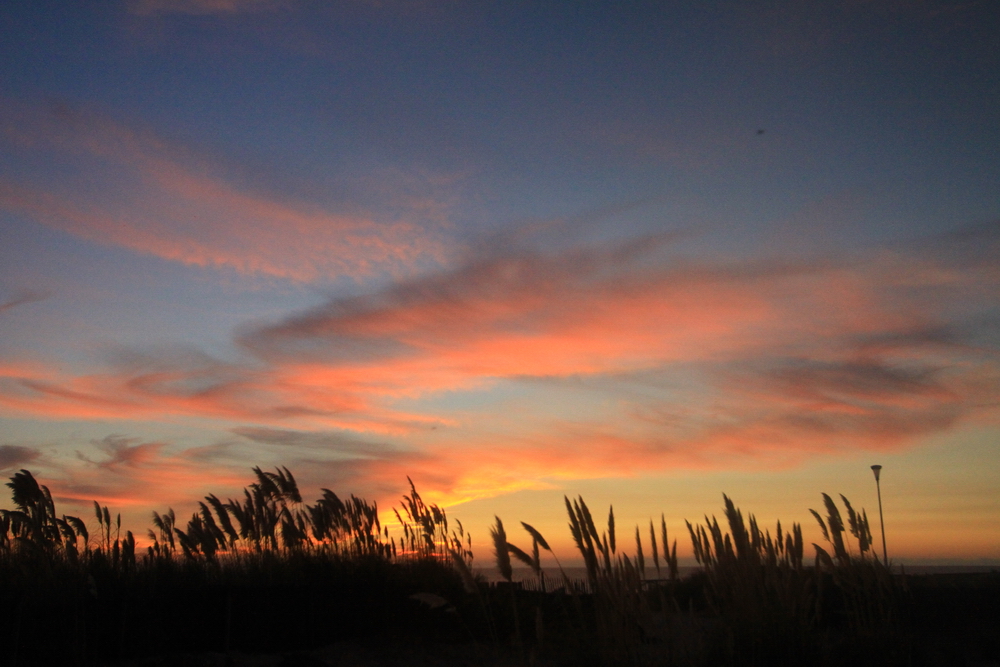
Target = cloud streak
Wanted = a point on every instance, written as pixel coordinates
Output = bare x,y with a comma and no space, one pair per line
685,365
16,456
132,476
160,199
22,298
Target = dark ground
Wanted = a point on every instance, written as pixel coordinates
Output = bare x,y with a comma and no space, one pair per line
951,620
946,619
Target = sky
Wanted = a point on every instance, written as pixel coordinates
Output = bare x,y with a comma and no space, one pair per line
645,253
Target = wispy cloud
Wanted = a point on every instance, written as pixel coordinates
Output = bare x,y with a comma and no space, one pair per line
685,365
177,383
131,188
335,459
129,474
23,297
121,451
16,456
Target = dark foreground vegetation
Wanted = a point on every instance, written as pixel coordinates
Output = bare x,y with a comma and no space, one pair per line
270,580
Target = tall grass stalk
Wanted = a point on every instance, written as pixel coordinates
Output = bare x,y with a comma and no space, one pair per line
869,591
754,600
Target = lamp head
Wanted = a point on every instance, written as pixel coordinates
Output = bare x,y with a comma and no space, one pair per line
876,469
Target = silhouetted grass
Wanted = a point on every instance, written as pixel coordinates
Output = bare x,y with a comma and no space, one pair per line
753,602
267,572
261,573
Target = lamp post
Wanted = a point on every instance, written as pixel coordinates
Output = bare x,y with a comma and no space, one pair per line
877,469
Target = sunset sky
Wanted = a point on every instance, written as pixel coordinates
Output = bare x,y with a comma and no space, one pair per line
646,252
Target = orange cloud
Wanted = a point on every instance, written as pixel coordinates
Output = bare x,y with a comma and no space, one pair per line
683,365
535,316
161,200
214,391
131,476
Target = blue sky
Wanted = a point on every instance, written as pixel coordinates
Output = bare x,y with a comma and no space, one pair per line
511,250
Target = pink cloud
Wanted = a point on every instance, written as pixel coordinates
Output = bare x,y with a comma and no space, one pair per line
163,200
779,362
537,316
178,385
132,476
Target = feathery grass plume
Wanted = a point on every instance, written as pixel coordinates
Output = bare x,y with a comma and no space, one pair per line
165,523
741,539
582,539
858,524
869,592
757,601
68,538
500,550
620,604
836,525
669,557
822,524
589,520
656,553
34,525
462,542
540,541
606,553
759,590
215,536
224,520
81,529
522,556
211,529
865,542
425,527
611,527
592,543
537,537
468,580
639,559
696,543
536,558
25,492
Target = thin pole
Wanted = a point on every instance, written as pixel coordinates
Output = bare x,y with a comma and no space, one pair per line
877,469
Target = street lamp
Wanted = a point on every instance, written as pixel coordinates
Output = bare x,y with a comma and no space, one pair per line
877,469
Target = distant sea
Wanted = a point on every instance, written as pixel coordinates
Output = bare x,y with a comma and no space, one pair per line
949,569
553,576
